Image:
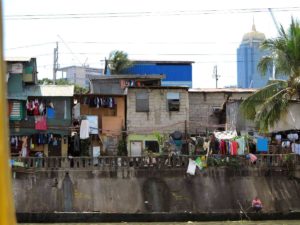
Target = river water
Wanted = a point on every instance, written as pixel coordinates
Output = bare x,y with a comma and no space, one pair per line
277,222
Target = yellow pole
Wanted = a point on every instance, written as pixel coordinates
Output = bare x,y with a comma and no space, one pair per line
7,212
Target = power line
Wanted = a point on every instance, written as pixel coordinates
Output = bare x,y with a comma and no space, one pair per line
69,49
30,46
146,13
153,43
196,62
113,43
144,54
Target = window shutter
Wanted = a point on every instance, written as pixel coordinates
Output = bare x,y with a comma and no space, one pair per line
16,112
142,102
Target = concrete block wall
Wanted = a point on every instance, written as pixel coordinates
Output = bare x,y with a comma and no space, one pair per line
201,104
158,118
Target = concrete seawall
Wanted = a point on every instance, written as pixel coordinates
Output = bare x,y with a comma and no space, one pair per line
151,190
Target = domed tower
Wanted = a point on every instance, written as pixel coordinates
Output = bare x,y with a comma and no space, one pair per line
248,56
253,36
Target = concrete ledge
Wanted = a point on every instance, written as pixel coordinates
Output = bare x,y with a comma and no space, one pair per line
89,217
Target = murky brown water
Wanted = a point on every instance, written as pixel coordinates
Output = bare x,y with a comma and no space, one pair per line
277,222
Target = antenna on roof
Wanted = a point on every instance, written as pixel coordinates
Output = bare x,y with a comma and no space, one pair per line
216,75
70,50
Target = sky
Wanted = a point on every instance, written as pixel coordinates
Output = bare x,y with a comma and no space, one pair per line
206,32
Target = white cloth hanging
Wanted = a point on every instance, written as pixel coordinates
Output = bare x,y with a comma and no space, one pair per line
191,167
84,129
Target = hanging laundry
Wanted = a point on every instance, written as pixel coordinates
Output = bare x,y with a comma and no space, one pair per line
29,108
234,148
42,108
191,167
97,102
198,162
17,142
228,145
36,111
50,113
84,129
292,136
242,144
110,103
24,152
49,138
278,137
12,140
262,145
223,147
296,148
40,123
76,111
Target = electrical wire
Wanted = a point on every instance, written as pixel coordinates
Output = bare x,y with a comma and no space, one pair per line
30,46
145,13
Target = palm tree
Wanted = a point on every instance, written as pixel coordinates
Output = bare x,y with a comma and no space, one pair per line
118,62
267,105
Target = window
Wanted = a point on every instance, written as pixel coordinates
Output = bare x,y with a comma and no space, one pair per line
142,102
16,110
173,101
216,109
152,146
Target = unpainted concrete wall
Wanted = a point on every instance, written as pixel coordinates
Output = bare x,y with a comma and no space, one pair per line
151,190
201,106
159,118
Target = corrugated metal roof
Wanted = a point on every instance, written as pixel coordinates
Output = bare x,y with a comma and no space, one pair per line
162,62
16,97
49,90
17,59
126,76
212,90
159,87
68,67
173,71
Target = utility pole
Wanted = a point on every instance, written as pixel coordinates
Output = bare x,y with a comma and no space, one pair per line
216,75
55,63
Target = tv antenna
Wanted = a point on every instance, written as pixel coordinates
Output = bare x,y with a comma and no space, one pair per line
216,75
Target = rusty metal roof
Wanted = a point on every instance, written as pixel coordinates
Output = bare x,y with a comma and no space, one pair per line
160,87
126,76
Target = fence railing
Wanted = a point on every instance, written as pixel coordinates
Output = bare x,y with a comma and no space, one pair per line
160,162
